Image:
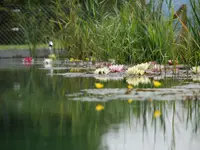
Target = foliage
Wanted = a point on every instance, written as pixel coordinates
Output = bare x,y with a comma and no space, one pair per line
127,31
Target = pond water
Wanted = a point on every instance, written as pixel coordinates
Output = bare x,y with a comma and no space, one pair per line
48,112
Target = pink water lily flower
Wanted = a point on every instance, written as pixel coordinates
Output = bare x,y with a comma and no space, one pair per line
116,68
28,60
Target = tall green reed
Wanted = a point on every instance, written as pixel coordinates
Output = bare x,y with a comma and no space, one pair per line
35,26
127,31
194,23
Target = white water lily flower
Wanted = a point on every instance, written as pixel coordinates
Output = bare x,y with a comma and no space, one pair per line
103,70
135,81
143,66
138,69
48,61
196,69
196,78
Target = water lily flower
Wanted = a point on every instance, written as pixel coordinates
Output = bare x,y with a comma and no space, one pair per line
99,85
143,66
138,69
103,70
156,83
130,101
52,56
99,107
135,81
196,69
130,86
116,68
157,113
196,78
48,61
157,67
134,71
71,59
28,60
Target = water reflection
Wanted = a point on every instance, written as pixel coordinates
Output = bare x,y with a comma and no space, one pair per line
138,80
35,113
176,129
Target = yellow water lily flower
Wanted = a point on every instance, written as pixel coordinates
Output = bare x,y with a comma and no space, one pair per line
130,101
157,113
99,107
99,85
156,83
130,86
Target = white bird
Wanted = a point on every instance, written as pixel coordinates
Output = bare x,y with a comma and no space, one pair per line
50,47
48,61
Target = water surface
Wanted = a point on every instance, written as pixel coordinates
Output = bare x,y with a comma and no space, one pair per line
37,113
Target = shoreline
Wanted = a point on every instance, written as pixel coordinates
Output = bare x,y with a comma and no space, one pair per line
12,53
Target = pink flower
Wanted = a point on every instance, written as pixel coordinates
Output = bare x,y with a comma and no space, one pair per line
116,68
28,60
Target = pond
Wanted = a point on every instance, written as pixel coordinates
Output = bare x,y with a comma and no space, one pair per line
40,110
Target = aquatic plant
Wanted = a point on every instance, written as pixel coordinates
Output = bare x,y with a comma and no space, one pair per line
130,86
99,85
156,83
28,60
196,69
99,107
104,70
116,68
137,69
196,78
